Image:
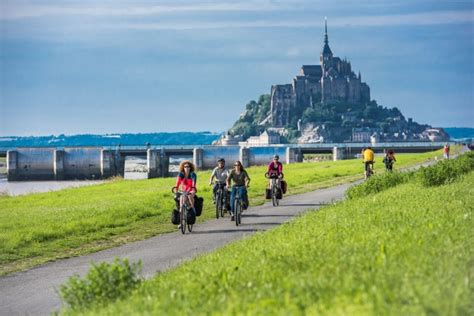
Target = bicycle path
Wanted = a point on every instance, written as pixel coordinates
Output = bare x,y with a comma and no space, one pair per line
34,292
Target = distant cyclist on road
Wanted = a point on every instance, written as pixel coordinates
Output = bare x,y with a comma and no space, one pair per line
275,170
389,160
220,174
241,180
186,182
368,159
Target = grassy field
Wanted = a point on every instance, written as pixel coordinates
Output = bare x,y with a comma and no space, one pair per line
40,227
405,251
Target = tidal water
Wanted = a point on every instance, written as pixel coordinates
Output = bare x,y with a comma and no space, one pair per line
27,187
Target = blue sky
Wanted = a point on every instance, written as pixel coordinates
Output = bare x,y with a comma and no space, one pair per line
70,67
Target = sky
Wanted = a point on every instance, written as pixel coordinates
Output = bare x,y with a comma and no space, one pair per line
98,67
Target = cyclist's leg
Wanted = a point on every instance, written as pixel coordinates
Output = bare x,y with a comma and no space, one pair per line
232,199
214,190
243,194
191,200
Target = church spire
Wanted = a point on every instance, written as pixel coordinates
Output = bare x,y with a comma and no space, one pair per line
326,30
326,50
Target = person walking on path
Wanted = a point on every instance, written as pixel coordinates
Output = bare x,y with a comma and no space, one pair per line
446,151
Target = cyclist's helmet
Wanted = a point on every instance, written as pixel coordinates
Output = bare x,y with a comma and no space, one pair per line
221,160
276,157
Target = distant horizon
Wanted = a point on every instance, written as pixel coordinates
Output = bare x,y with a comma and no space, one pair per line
167,132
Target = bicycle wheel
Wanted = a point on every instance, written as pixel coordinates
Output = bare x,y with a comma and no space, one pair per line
274,196
238,212
183,219
218,203
222,204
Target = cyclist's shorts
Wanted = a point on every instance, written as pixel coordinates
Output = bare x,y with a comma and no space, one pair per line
367,164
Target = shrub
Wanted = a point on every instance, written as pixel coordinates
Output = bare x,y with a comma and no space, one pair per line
103,283
377,183
446,171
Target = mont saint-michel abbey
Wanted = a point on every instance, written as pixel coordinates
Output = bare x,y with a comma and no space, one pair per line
333,80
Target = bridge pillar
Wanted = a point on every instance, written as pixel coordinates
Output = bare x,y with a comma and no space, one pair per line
164,164
59,164
244,156
198,158
293,155
338,153
153,159
107,164
12,165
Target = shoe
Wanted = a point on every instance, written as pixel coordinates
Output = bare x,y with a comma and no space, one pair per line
179,226
232,218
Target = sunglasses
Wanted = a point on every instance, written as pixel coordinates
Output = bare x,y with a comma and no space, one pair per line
187,166
236,165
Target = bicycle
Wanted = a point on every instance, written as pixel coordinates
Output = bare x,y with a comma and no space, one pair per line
184,209
274,187
369,169
220,199
238,206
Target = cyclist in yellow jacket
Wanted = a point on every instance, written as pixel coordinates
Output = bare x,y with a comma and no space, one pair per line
368,157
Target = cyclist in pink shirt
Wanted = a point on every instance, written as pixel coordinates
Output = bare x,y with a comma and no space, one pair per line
275,170
186,180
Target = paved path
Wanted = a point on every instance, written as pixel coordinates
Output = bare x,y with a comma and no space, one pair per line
33,292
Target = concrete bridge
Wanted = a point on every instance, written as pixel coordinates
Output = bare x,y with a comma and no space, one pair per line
62,163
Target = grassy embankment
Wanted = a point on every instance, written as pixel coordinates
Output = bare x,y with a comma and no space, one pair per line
40,227
405,251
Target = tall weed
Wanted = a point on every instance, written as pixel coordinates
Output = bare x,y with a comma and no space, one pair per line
446,171
105,282
378,183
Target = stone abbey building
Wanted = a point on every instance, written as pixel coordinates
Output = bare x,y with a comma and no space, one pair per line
333,80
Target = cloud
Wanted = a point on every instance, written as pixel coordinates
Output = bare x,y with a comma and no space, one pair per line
20,11
425,18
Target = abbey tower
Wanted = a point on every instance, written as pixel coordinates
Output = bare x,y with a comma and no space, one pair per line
333,80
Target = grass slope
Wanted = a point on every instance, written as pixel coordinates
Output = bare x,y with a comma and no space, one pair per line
405,251
40,227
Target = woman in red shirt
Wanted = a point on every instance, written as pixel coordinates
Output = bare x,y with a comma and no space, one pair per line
186,182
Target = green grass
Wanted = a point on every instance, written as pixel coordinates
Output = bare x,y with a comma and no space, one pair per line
41,227
405,251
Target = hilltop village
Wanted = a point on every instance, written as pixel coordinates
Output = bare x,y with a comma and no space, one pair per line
324,103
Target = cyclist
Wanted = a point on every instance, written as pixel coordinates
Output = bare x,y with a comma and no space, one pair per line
220,174
186,181
368,157
389,159
241,181
275,170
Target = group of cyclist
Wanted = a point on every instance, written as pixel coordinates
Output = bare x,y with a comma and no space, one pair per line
368,160
235,180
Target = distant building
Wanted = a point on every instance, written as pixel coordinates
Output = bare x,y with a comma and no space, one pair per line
363,135
227,140
266,138
333,80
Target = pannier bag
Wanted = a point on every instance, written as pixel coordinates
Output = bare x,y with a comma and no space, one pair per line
279,194
284,186
198,205
175,217
268,194
191,218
